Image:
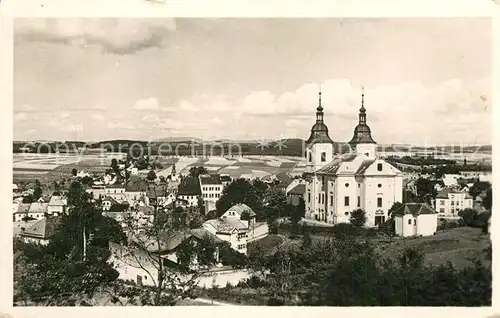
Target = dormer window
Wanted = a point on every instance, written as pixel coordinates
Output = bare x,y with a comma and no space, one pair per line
323,156
379,167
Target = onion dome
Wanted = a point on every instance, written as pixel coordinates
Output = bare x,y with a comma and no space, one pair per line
319,131
362,133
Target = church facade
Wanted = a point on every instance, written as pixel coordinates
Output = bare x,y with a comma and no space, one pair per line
339,184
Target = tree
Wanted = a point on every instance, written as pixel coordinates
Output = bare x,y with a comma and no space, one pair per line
230,257
425,190
478,188
37,193
468,217
74,172
393,208
487,201
275,199
206,249
388,229
358,218
238,191
146,248
195,172
74,263
151,176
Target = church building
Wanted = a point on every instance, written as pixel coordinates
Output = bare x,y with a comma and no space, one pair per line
338,184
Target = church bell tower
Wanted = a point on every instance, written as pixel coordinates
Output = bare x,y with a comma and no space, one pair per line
319,146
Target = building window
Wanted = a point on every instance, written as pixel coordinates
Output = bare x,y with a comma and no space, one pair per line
346,201
379,202
409,221
379,185
414,221
323,156
310,157
347,213
359,185
441,210
309,197
347,185
359,201
379,167
442,202
331,200
367,154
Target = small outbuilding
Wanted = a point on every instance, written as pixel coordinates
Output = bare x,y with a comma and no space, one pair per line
415,219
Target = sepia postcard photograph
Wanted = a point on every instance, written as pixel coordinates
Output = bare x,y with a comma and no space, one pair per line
252,161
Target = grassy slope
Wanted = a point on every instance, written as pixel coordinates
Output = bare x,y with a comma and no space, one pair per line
455,245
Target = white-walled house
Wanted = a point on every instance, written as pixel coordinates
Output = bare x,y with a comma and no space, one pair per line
449,202
211,190
57,205
189,190
242,213
359,180
37,210
21,211
415,219
231,230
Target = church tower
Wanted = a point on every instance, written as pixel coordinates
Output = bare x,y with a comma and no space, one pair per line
319,146
362,141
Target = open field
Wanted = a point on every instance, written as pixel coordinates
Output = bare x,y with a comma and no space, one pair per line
50,167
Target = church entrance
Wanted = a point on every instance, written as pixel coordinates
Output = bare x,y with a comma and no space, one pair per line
379,219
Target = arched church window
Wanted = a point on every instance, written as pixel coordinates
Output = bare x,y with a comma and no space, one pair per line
379,185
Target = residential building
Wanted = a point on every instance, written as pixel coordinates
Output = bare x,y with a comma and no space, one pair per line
189,190
115,191
107,202
38,210
243,213
57,205
41,231
211,190
451,180
21,211
338,185
229,229
141,266
415,219
449,202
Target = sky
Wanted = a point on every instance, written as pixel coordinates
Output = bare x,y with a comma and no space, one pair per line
426,81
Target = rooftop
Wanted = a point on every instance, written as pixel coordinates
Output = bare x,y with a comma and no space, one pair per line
58,201
209,179
414,209
38,207
444,194
189,186
242,208
42,229
299,189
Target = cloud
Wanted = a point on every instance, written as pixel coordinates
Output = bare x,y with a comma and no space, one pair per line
20,117
147,104
151,118
24,108
113,35
119,125
98,117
